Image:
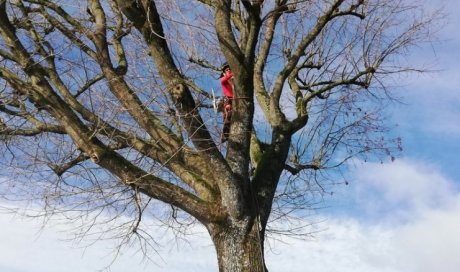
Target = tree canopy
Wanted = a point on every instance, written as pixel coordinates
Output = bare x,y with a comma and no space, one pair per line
106,108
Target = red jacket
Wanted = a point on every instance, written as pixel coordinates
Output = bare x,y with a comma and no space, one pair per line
226,83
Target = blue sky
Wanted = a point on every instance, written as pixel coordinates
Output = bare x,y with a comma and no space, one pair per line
400,216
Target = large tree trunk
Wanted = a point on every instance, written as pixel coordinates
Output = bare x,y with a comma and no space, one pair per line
239,246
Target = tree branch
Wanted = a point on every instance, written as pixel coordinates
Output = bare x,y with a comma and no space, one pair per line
332,84
88,84
298,168
260,89
278,116
185,104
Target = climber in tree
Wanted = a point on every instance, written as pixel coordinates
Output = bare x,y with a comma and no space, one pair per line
227,91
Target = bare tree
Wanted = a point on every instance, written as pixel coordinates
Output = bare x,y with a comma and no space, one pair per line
105,108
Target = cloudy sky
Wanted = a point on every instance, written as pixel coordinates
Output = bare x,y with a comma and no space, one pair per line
400,216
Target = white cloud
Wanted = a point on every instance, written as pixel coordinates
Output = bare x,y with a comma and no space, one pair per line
26,247
405,184
425,245
414,228
416,232
431,243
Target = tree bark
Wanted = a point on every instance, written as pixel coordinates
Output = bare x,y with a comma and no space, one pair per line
238,246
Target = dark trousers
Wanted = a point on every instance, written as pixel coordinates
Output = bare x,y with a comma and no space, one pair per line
227,118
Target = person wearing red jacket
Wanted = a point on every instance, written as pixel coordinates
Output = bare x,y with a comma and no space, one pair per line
227,90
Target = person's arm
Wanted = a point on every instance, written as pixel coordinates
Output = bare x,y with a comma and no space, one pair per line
227,76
